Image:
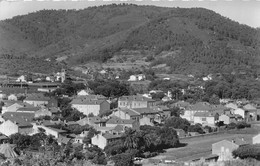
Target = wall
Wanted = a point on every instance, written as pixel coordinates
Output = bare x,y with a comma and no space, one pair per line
87,109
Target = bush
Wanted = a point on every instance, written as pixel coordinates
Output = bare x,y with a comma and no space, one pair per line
248,151
231,126
241,125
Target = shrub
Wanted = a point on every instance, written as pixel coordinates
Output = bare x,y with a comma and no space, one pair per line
231,126
248,151
241,125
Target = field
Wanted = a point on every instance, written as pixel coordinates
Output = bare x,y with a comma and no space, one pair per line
201,146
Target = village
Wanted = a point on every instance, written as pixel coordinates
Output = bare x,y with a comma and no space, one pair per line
99,121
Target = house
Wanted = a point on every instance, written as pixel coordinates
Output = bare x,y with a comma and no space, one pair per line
114,121
8,151
15,125
55,111
79,138
198,107
42,112
32,110
63,140
48,130
92,121
256,139
232,106
181,104
146,121
83,93
37,99
2,95
87,106
16,116
225,148
205,118
101,140
240,111
250,112
153,113
126,113
14,106
12,97
135,101
138,77
230,118
22,78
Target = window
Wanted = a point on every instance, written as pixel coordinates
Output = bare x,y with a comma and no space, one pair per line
203,119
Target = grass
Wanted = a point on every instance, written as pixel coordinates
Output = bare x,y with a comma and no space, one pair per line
201,146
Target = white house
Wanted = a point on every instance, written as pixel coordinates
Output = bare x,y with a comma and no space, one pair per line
8,128
240,112
256,139
2,95
48,130
87,106
204,118
232,106
22,78
83,93
101,140
138,77
12,97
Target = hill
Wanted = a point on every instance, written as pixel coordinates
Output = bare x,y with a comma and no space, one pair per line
196,40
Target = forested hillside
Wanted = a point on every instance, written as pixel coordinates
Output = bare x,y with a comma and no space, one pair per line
206,41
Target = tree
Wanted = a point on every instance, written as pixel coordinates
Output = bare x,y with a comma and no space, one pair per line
125,159
214,99
178,123
167,137
115,147
248,151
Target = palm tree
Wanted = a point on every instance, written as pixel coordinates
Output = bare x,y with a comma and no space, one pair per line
131,141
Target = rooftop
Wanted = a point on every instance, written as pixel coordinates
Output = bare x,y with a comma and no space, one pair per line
87,101
147,110
115,120
134,98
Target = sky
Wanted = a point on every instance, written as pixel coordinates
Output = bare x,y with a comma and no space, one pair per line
243,11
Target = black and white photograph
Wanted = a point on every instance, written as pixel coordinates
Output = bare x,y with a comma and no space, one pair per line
129,82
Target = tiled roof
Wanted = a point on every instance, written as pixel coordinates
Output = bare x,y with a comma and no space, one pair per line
134,98
19,115
204,114
36,97
28,109
63,139
249,107
54,110
201,106
57,130
115,120
147,110
91,97
21,119
87,102
119,128
128,111
111,136
239,141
